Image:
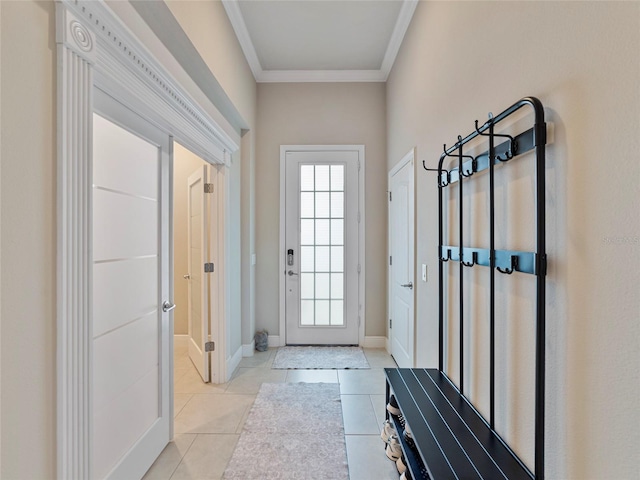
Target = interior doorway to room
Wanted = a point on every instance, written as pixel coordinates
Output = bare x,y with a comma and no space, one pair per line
197,227
321,244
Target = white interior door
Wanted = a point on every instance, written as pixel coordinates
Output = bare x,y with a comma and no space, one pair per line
401,269
132,330
198,213
321,247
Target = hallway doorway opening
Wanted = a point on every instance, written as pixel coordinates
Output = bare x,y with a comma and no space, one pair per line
198,257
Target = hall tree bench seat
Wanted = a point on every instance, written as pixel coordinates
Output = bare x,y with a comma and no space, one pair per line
451,439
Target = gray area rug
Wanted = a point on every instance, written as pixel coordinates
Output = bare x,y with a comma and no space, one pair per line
293,431
320,358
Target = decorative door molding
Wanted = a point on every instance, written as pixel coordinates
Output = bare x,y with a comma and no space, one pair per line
76,56
95,50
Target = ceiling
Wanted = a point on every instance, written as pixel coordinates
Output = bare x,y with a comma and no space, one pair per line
320,40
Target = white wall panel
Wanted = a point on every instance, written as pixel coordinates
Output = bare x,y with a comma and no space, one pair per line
123,161
118,426
123,357
126,300
113,305
124,226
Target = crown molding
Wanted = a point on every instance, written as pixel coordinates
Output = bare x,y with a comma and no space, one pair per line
300,76
308,76
237,22
399,31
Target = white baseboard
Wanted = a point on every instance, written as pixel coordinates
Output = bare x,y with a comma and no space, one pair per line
369,342
375,342
233,362
247,350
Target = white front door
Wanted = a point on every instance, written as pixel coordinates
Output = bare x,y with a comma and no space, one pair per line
321,247
198,225
401,269
131,396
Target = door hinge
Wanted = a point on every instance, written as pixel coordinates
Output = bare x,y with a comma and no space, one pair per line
358,217
390,260
390,323
389,196
359,319
358,165
359,268
208,188
209,346
208,268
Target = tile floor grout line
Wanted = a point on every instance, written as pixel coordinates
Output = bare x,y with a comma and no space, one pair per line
175,414
182,456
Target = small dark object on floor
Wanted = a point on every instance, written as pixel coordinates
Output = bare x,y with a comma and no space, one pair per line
262,340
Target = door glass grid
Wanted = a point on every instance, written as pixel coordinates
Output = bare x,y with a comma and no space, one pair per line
322,245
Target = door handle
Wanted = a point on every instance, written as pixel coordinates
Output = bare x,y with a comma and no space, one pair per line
186,277
167,306
407,285
291,272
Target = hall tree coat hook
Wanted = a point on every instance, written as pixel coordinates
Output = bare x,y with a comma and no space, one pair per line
441,183
460,156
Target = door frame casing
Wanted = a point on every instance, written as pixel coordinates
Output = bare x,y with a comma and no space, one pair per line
409,157
94,49
361,229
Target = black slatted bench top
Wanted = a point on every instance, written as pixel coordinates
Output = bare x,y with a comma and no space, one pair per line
452,439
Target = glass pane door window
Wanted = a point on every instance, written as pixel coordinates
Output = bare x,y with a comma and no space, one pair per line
322,244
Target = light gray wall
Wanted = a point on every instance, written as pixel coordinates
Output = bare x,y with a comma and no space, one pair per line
460,60
317,114
28,241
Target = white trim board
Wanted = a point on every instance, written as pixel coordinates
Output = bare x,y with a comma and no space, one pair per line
375,342
233,362
248,349
361,239
277,76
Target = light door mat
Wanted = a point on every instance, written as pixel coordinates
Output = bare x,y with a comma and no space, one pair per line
293,431
332,358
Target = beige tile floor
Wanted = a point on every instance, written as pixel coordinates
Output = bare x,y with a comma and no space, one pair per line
209,418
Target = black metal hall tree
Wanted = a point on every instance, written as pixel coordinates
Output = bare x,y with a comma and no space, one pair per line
452,439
